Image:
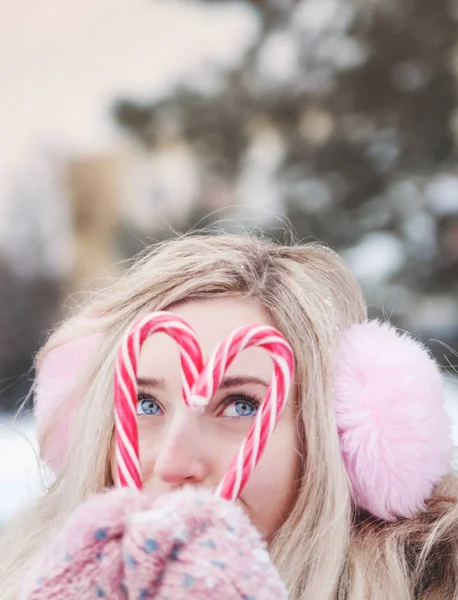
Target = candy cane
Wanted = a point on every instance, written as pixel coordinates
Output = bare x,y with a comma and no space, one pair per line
125,385
199,387
276,397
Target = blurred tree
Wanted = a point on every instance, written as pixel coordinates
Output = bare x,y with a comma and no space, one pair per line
28,307
36,256
341,116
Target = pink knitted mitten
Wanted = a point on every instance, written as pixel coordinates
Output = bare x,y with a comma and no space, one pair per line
124,545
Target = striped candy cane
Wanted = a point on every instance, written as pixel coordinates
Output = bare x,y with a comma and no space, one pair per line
199,386
269,413
126,388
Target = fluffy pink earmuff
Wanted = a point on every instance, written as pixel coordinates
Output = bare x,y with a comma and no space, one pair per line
56,384
388,395
394,432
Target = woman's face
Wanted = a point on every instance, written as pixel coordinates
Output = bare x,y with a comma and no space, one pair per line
181,447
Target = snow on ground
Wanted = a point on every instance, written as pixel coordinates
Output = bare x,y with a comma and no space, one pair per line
19,472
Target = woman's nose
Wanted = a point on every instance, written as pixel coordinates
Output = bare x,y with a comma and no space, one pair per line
181,457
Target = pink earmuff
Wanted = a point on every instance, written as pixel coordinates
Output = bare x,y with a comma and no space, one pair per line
56,383
393,428
394,432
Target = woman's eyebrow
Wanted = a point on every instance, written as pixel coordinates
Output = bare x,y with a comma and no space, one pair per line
241,380
151,382
228,382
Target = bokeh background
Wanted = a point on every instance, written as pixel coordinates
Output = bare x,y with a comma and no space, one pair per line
124,122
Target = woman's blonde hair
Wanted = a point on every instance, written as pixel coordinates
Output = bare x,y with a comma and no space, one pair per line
326,549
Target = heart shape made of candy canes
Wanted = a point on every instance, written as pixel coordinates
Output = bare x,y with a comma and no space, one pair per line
200,381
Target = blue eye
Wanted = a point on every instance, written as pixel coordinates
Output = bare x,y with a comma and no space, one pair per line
147,406
244,409
240,406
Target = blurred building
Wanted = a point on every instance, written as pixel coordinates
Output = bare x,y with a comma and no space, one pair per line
95,197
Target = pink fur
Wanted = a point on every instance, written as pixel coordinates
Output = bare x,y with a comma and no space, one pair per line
55,386
394,432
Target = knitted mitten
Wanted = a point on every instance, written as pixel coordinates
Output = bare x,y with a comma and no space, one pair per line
126,545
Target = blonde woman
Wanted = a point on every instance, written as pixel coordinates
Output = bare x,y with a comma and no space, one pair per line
353,495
